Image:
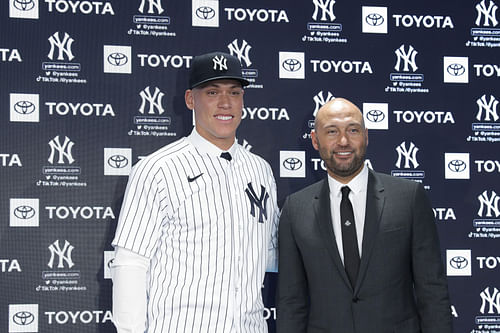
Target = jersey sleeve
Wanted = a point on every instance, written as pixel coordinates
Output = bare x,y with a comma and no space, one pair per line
139,223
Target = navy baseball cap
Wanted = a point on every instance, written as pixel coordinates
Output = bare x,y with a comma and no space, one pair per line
215,66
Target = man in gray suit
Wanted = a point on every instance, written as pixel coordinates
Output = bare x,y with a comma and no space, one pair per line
366,260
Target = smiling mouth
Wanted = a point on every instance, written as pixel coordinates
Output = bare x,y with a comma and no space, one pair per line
222,117
343,153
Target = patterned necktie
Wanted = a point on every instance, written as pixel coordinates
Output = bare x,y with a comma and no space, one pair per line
349,238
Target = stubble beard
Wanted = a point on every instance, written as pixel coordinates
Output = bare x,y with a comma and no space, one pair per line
342,170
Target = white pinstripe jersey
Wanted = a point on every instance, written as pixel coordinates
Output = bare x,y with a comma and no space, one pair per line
208,225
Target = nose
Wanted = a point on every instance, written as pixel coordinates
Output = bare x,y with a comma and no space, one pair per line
224,100
343,139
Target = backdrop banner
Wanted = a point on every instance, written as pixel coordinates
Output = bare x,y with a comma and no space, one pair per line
88,88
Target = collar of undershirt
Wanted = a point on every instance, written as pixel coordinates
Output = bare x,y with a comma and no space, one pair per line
357,184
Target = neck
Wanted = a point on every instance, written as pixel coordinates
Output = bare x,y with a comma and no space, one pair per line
345,179
221,143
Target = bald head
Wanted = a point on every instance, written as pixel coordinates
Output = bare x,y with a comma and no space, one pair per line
341,138
338,108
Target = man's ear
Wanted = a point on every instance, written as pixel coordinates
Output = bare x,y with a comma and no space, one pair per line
188,98
314,140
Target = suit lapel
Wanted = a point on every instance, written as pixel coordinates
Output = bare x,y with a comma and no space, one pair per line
375,200
321,205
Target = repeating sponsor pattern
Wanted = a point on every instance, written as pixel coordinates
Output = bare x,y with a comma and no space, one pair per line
91,87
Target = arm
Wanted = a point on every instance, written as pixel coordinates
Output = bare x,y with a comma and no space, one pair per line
293,305
431,289
128,271
272,255
137,234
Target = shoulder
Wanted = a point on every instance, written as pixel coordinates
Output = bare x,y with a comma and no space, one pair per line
164,155
254,159
300,202
394,187
391,181
309,191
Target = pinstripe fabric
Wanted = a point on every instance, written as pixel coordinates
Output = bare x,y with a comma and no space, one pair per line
208,252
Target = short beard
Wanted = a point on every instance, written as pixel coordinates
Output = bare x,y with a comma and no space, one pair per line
343,172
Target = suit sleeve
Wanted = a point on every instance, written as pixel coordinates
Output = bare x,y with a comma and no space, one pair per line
430,283
292,302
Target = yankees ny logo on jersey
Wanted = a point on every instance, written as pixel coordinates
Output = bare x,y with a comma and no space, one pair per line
260,202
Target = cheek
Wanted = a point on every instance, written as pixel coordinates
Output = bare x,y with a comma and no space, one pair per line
239,105
239,115
361,144
204,104
201,115
325,142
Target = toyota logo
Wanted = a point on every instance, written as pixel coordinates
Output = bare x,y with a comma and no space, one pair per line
374,19
24,5
117,161
117,59
375,116
24,107
24,212
457,165
455,69
23,318
205,13
458,262
292,163
291,65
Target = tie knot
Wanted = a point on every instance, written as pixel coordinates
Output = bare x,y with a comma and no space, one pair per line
345,191
225,155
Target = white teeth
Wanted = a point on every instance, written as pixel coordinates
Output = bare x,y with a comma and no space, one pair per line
224,117
344,153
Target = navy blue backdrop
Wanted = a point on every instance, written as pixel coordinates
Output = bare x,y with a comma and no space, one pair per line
89,87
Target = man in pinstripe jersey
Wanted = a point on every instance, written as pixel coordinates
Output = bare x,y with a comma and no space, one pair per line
197,228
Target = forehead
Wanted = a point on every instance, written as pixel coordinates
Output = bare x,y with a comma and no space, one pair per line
339,117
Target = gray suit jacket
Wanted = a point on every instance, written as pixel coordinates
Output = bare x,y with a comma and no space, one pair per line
401,285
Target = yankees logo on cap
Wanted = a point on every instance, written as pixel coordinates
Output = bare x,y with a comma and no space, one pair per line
215,66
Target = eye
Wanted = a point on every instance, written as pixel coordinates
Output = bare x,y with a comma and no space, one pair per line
236,92
211,92
355,130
